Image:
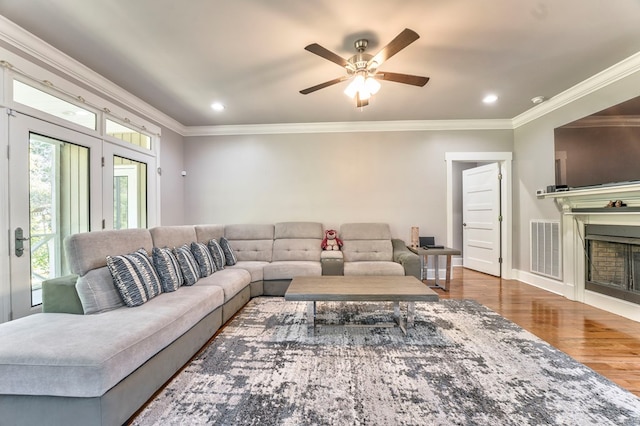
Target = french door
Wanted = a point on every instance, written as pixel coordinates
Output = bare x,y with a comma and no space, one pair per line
62,182
50,187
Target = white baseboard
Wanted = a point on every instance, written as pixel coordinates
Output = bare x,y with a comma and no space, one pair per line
544,283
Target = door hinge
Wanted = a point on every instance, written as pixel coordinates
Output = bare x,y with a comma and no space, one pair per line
102,160
499,176
8,152
159,171
104,223
500,218
500,260
11,113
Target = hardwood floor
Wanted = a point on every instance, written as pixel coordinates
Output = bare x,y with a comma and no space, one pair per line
607,343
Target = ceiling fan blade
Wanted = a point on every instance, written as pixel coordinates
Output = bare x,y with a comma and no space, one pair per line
323,85
402,40
414,80
326,54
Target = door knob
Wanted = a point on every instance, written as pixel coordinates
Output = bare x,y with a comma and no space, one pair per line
20,239
464,224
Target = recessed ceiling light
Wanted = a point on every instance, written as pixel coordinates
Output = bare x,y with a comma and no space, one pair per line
489,99
217,106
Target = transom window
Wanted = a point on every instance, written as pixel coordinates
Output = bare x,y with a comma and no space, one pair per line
45,102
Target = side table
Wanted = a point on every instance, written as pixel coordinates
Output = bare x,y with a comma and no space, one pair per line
423,253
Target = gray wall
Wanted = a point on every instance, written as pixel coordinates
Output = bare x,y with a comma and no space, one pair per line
333,178
171,182
534,159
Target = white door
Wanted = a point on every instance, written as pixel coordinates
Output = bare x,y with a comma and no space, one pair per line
49,187
481,219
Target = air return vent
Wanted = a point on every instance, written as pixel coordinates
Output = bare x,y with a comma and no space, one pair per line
545,248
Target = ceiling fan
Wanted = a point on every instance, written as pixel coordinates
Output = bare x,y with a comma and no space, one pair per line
362,68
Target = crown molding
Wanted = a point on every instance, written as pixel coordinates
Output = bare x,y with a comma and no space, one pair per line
349,127
604,78
40,50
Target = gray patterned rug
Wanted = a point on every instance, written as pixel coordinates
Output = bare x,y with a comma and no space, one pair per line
462,364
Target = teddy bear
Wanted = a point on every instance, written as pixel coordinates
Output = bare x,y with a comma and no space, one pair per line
331,240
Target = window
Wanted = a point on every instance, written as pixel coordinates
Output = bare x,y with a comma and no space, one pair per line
129,193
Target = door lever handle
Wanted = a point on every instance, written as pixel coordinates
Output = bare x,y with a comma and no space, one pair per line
20,239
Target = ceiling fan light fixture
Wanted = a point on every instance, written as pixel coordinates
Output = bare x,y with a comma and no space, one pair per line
372,85
356,85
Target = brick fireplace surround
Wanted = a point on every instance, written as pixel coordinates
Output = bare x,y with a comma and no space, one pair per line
582,207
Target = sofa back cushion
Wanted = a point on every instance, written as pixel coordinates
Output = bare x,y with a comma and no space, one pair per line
89,250
297,241
366,242
206,233
251,242
173,236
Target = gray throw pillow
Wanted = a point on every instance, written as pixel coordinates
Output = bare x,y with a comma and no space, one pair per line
97,292
217,253
203,257
188,265
229,255
168,269
134,277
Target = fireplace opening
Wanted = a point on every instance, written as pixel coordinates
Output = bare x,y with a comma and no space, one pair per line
613,261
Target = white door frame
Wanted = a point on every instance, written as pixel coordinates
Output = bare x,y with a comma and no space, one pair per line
505,159
5,276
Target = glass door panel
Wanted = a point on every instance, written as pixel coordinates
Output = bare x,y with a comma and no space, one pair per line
129,193
58,205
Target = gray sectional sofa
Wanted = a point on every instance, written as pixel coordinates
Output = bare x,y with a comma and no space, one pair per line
90,360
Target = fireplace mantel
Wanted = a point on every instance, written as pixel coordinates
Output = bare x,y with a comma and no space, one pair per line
580,207
597,198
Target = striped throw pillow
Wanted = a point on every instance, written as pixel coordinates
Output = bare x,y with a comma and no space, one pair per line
168,269
188,265
134,277
217,253
229,255
204,259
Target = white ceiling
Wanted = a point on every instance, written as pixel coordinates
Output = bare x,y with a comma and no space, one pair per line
180,56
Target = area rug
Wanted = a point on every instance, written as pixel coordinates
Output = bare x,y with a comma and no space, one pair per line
462,364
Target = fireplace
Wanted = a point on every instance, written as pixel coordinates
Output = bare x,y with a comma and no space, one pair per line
613,261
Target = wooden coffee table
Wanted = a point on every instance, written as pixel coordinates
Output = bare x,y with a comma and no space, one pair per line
394,289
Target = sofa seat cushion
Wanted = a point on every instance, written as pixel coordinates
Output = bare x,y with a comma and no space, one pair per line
254,267
230,280
86,355
373,268
287,269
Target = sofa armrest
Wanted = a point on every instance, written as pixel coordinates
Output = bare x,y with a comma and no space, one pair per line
59,295
408,259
